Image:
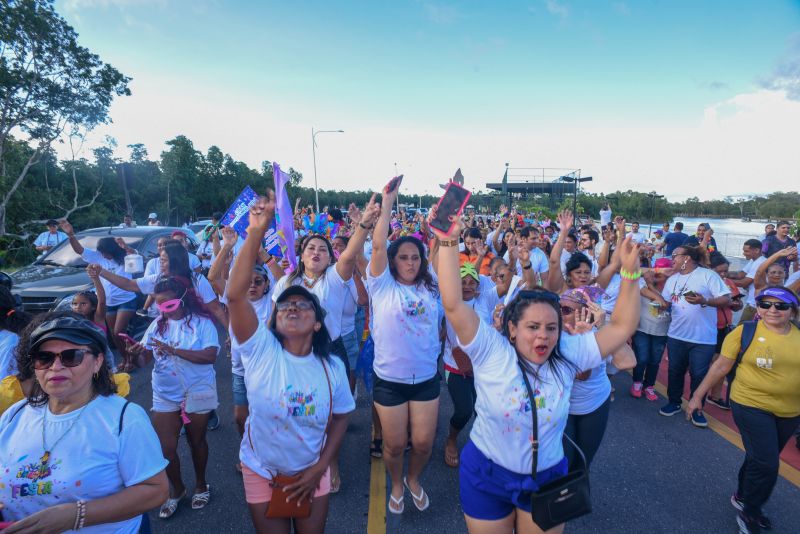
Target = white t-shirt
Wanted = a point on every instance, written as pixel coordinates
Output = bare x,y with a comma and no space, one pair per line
206,248
263,309
483,305
750,269
94,460
173,376
605,217
8,362
405,329
289,403
588,395
792,279
154,264
694,323
637,237
331,291
350,307
565,256
490,241
147,285
513,289
46,239
114,295
503,428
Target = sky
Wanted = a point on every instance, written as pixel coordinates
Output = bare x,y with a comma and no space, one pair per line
685,98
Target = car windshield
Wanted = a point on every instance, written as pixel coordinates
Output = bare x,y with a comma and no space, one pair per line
63,255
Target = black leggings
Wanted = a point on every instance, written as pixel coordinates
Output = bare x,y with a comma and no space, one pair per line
462,391
587,431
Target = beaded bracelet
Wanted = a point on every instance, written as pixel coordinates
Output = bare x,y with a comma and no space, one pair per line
632,277
445,243
80,515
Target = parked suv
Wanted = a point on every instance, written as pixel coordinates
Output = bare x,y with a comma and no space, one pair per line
51,281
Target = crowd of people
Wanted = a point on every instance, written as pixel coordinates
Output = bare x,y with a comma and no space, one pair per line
526,318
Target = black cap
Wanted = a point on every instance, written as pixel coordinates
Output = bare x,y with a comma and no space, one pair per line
52,222
303,292
79,331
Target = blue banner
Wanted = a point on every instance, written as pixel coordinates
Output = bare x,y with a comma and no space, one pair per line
238,218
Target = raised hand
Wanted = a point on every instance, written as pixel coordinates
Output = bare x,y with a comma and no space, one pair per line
262,212
455,229
371,212
523,254
66,227
93,270
598,314
230,236
354,212
629,253
565,220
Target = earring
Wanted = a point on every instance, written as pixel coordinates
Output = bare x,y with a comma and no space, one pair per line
513,339
96,376
684,264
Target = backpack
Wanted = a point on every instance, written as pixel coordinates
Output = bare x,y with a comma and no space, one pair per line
748,333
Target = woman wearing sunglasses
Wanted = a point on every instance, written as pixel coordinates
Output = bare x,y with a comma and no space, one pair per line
495,471
74,454
764,399
299,397
183,342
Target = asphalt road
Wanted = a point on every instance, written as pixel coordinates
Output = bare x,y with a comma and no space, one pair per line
652,474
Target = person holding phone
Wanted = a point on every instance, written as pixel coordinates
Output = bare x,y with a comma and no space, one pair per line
693,293
406,320
495,469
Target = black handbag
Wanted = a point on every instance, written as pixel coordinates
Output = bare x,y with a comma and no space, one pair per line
562,499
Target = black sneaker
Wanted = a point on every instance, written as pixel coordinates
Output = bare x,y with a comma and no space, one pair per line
747,525
763,521
722,404
213,421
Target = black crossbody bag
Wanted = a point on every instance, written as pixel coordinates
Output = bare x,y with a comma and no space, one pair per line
562,499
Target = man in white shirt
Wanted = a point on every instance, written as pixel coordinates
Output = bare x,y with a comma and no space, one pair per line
570,247
635,235
744,278
152,220
605,214
50,238
127,222
588,245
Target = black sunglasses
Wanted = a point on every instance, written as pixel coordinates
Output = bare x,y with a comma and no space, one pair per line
69,358
780,306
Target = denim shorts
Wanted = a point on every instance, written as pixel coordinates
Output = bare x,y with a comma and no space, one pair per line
351,347
239,390
491,492
131,305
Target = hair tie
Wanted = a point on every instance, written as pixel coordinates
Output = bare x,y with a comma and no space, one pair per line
11,312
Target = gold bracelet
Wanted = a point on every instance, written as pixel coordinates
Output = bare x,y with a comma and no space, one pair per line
451,243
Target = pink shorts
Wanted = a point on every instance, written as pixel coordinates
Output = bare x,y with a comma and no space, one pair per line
257,489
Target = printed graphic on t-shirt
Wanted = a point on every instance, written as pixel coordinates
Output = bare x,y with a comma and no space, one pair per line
31,477
299,403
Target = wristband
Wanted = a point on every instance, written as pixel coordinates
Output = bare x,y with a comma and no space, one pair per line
631,277
367,228
526,267
451,243
80,515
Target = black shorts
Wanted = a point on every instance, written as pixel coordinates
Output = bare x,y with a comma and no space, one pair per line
721,333
390,394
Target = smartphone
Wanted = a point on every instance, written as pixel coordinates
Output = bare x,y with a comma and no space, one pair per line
452,203
690,294
126,338
394,183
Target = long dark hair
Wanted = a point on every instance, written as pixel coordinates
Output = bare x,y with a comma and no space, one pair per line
108,246
320,340
301,269
423,275
503,246
91,296
102,382
560,366
11,318
178,260
183,289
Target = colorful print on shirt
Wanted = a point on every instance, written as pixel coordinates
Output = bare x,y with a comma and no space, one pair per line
31,477
300,404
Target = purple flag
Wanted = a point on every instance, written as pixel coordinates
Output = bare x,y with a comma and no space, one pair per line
284,216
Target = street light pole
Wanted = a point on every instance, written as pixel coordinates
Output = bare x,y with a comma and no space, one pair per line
314,152
653,195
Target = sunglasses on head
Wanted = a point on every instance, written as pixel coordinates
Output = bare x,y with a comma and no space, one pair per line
780,306
69,358
300,305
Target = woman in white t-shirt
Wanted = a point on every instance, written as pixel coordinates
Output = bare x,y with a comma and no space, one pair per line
183,342
74,454
694,294
406,320
121,303
12,321
495,472
299,397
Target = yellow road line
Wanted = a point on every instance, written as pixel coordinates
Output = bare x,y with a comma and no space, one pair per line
787,471
376,520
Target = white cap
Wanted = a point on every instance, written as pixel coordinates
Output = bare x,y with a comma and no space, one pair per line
152,216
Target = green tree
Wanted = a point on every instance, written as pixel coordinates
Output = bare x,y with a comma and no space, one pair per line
47,82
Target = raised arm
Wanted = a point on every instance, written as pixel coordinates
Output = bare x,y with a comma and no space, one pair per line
529,276
355,245
243,318
100,291
625,318
462,317
120,281
379,259
222,262
555,278
70,231
760,279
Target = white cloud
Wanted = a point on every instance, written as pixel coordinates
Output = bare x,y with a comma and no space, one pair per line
555,8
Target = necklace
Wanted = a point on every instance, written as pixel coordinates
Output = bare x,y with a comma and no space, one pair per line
676,295
309,282
46,456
